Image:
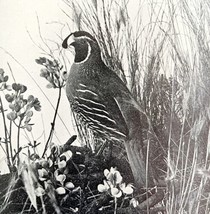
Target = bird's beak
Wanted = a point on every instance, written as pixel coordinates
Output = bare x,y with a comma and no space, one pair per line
68,41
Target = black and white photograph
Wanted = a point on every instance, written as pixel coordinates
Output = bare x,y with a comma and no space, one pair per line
105,107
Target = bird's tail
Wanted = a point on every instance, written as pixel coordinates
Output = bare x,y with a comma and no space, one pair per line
136,148
140,167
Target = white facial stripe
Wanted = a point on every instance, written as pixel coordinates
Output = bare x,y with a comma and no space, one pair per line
83,37
89,51
72,39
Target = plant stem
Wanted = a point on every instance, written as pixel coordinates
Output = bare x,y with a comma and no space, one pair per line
115,205
10,141
5,134
53,123
18,142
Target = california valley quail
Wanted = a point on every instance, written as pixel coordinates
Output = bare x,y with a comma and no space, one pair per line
102,103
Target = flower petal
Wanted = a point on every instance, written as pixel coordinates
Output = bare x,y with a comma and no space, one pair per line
128,190
39,191
44,163
42,172
60,190
12,115
116,192
117,177
61,178
106,172
134,202
69,185
62,164
68,154
102,188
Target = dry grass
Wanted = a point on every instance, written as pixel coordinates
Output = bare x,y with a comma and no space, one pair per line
162,54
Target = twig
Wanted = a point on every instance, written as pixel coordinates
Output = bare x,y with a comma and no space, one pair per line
53,123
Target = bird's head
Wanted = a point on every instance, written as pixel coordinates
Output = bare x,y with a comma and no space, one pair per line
84,45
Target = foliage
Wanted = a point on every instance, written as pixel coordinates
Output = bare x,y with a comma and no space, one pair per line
56,77
67,181
20,114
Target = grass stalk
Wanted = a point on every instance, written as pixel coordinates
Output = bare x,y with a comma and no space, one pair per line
5,135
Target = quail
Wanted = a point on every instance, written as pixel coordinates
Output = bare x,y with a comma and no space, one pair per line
102,103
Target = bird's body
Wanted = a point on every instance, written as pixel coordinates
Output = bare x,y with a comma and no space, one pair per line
92,89
101,101
89,104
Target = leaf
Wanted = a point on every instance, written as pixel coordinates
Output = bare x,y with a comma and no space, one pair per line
51,193
29,179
